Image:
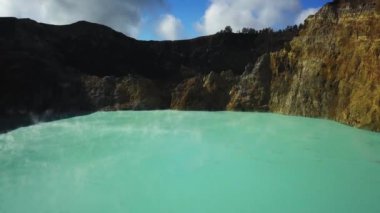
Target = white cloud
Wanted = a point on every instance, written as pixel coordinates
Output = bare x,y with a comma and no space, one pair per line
122,15
169,27
304,14
257,14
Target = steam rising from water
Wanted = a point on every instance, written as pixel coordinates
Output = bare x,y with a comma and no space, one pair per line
167,161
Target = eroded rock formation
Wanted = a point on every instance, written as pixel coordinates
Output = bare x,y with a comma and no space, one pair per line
332,69
209,92
252,91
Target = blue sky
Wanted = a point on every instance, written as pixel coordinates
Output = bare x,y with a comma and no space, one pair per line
190,12
166,19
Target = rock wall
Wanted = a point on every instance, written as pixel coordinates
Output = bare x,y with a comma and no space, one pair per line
204,92
252,91
124,93
332,69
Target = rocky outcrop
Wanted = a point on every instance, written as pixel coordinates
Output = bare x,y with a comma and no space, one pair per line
332,69
209,92
328,69
252,92
124,93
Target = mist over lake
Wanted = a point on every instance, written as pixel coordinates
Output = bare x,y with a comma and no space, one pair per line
170,161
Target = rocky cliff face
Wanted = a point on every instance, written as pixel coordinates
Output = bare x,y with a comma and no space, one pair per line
330,69
252,91
208,92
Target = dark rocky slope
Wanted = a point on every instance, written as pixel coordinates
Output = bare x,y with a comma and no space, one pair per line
49,71
329,69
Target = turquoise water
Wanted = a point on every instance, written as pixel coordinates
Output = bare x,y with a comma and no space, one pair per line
189,162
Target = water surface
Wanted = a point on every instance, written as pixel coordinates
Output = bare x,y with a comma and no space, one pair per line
187,162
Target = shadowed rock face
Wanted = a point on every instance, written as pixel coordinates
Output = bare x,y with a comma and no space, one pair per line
84,67
124,93
329,69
